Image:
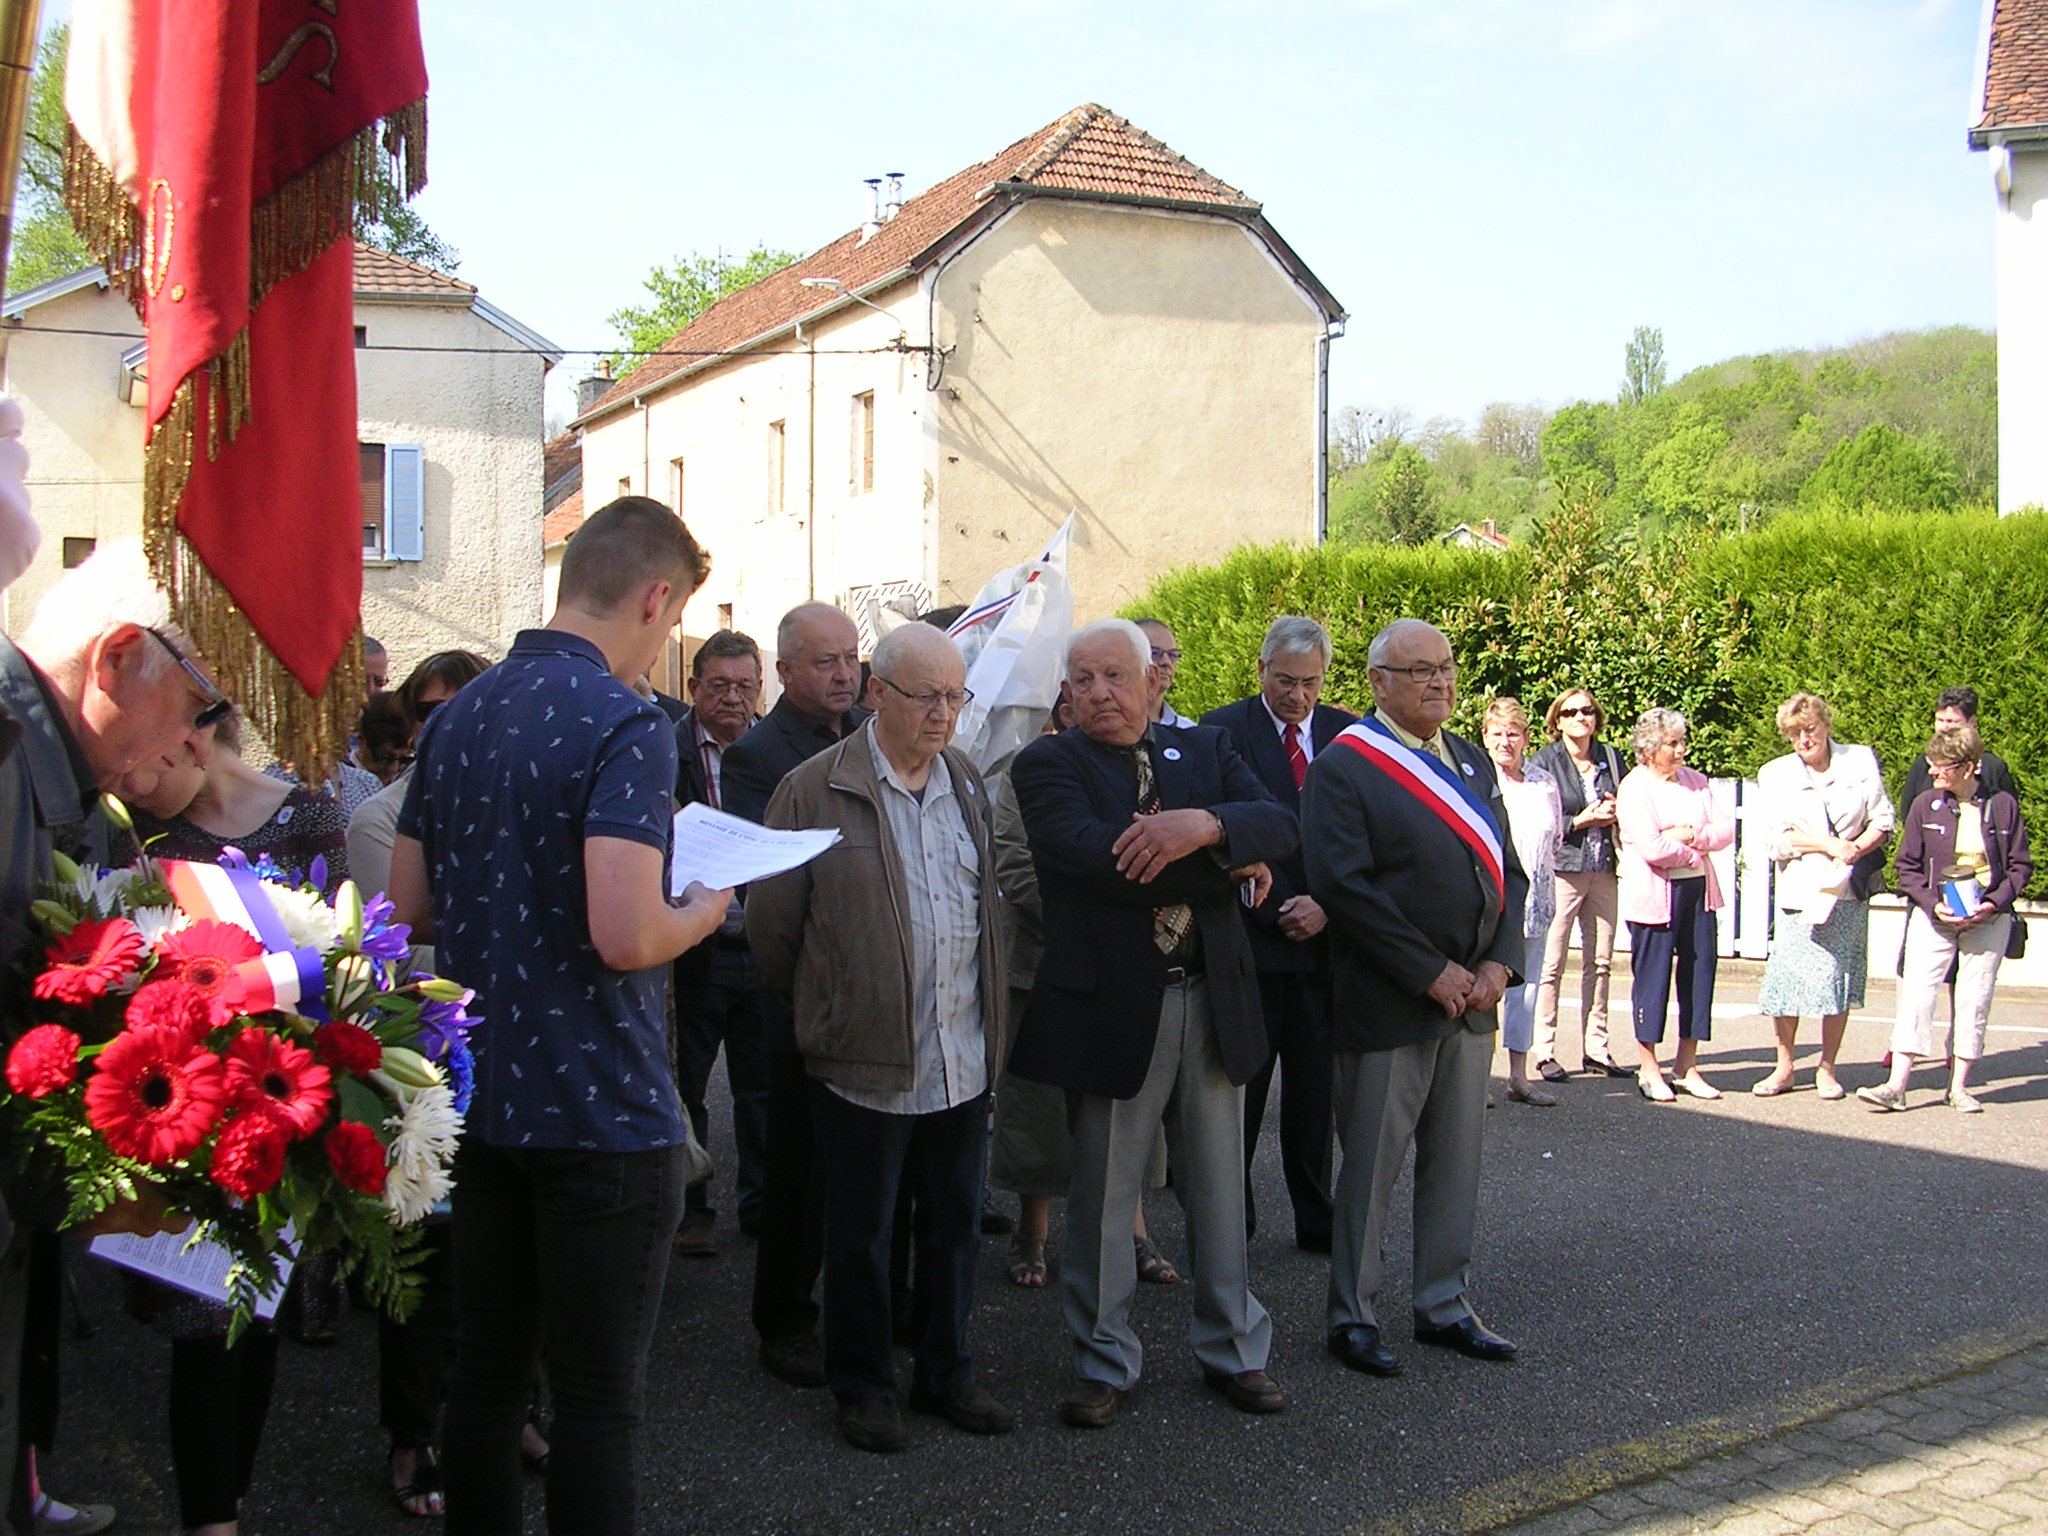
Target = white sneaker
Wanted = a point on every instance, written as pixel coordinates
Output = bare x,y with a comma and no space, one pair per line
1964,1101
1883,1096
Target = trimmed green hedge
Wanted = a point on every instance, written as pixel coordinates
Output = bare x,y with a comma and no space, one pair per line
1875,613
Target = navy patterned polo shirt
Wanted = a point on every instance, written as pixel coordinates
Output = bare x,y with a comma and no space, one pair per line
544,750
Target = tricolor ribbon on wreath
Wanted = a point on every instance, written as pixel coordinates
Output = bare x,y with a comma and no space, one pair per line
282,976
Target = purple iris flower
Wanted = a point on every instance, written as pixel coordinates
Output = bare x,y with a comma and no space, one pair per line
444,1026
382,938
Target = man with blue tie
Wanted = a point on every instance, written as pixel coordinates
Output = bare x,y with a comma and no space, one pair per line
1279,731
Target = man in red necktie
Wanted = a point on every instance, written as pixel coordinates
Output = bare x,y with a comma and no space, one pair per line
1278,731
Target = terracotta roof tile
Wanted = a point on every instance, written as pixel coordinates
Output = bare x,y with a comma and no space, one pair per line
556,527
1088,151
561,468
2016,71
381,272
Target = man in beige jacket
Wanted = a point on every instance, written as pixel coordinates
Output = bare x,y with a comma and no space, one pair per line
888,948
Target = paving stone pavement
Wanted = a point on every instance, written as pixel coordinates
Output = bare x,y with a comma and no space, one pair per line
1962,1456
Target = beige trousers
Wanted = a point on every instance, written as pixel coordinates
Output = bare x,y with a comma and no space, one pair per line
1589,903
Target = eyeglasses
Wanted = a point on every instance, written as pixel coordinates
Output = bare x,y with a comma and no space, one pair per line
954,702
725,687
1423,672
218,704
1589,711
1160,654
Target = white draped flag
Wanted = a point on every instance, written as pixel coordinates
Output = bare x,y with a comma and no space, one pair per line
1012,635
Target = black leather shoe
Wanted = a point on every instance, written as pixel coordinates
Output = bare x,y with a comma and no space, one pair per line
797,1358
1312,1239
1360,1348
873,1424
972,1408
1247,1391
1092,1404
1551,1072
1601,1068
1468,1336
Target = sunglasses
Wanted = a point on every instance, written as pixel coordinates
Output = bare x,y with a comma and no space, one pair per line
1577,711
217,703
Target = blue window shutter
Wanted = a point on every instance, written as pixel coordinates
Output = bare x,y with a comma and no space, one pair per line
405,502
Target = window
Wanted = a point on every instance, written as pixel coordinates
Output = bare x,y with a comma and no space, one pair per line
725,615
862,479
393,479
77,552
778,447
675,486
362,335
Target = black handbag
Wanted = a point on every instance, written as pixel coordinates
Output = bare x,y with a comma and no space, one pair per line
2016,938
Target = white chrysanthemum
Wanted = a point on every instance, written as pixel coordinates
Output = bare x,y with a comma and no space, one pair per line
109,893
309,921
424,1134
154,922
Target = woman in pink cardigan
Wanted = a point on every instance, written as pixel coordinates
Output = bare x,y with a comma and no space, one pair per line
1669,895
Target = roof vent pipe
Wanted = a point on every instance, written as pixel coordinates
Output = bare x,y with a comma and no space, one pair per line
892,200
873,221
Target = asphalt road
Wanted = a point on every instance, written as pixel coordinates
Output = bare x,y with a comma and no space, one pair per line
1662,1267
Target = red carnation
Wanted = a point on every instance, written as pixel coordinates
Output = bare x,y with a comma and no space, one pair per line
154,1094
248,1160
43,1060
348,1048
172,1004
358,1157
270,1077
88,960
204,955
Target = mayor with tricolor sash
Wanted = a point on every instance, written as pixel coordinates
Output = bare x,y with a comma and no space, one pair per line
1402,840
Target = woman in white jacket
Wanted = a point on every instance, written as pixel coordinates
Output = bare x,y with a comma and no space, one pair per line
1826,808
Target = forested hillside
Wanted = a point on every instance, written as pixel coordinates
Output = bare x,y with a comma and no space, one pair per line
1906,421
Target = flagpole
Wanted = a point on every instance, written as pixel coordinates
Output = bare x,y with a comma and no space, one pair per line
18,25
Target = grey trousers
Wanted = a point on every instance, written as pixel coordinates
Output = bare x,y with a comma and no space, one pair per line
1185,1089
1434,1094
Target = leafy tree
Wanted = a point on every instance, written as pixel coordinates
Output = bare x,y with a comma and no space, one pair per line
1408,501
682,291
1643,370
1578,442
1513,432
396,227
1882,469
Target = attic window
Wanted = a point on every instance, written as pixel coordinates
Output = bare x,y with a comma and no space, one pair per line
362,336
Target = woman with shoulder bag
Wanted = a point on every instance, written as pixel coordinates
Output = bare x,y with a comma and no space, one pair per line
1825,811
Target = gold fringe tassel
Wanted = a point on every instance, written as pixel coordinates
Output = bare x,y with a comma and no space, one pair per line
107,220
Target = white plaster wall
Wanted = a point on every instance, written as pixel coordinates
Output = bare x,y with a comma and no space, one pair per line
476,413
2023,334
827,537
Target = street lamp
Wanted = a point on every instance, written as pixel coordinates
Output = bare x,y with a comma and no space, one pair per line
840,288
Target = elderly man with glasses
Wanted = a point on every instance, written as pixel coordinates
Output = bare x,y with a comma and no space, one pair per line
888,950
1402,832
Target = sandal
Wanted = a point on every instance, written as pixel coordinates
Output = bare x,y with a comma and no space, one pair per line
1153,1266
1027,1262
420,1497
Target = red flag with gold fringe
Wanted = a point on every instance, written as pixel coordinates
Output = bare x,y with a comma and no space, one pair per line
219,152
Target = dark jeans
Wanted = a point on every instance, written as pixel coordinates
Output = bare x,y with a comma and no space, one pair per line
1297,1009
1689,940
413,1356
868,1156
566,1250
725,1009
219,1399
792,1243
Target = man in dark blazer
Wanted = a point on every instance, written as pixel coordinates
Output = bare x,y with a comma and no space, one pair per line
817,661
717,985
1146,1007
1403,837
1279,731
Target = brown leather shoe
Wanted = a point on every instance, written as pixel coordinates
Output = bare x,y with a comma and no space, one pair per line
696,1238
1092,1404
1248,1391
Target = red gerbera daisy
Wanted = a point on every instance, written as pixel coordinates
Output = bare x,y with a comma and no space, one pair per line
176,1004
348,1048
204,956
43,1060
154,1094
248,1160
358,1157
268,1076
88,960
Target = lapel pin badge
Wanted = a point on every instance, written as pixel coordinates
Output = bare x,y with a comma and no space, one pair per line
1171,754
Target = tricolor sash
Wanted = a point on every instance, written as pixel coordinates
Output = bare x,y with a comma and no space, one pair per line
281,977
1439,786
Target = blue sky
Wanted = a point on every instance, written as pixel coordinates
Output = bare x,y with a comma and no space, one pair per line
1498,190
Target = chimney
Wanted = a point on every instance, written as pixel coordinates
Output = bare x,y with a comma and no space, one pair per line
873,221
892,199
593,389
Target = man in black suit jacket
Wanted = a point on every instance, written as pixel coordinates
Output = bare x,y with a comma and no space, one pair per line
1953,709
1146,1007
1279,731
817,660
717,986
1404,842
